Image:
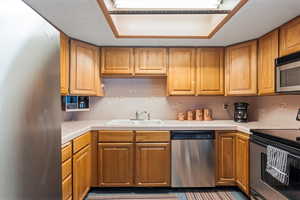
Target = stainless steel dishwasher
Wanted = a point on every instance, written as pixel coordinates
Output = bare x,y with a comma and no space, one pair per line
193,159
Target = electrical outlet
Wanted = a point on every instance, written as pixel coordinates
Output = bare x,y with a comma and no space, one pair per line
298,115
225,106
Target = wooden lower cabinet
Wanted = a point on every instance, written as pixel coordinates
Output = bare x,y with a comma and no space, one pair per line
66,171
67,188
226,158
242,162
232,159
81,173
152,164
115,164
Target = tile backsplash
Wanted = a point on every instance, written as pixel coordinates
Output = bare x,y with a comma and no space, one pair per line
125,96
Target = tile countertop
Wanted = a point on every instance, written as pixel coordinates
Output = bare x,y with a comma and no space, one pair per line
73,129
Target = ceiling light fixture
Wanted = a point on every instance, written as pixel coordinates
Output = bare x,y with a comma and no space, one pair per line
167,4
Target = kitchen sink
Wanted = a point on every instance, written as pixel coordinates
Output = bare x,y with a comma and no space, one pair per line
130,122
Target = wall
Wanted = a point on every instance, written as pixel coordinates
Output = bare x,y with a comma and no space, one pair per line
276,109
124,96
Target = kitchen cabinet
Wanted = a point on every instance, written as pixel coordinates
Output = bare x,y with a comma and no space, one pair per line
242,162
64,63
226,158
152,164
267,53
67,188
153,161
232,149
289,37
115,164
150,61
81,173
66,155
82,160
117,61
241,69
182,71
84,70
134,158
210,71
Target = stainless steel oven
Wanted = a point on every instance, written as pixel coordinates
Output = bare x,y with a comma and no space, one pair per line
288,73
263,186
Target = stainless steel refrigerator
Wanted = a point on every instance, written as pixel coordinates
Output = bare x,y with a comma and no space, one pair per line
30,135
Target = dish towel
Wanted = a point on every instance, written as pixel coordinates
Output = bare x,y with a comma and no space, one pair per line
277,164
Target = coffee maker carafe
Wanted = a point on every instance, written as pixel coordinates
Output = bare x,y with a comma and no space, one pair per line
241,112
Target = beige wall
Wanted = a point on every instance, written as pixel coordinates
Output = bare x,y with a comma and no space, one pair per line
276,109
124,96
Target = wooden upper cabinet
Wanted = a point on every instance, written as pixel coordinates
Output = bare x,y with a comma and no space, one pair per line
290,37
85,74
64,63
181,77
81,173
115,164
210,71
153,166
241,69
151,61
242,162
267,53
117,61
226,158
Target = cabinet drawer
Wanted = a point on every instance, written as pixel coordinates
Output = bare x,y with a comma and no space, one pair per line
116,136
67,188
152,136
81,142
66,153
66,169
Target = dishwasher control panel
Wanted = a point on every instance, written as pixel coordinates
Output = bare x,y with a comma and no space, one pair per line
192,135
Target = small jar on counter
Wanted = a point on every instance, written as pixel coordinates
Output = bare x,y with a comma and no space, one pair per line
199,114
190,115
207,114
180,116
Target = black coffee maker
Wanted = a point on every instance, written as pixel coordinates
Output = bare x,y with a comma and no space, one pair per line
241,112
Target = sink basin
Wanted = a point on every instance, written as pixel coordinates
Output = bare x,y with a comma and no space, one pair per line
149,122
121,122
134,122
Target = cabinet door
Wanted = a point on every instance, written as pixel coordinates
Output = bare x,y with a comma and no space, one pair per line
226,158
267,53
81,173
242,162
150,61
210,71
117,61
241,69
115,163
181,77
289,37
67,188
85,74
64,64
152,164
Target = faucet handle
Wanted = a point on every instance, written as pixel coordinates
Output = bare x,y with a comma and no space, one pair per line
148,116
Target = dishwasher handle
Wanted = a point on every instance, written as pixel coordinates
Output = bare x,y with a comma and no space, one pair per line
192,135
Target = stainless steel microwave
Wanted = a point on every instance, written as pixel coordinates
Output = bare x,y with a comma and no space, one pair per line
288,73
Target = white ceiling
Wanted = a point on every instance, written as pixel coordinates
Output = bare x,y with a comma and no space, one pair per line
84,20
